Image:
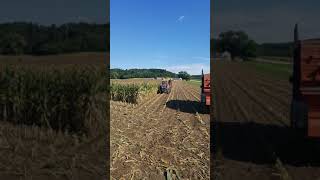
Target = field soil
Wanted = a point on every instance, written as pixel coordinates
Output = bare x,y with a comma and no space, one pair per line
38,153
165,132
252,130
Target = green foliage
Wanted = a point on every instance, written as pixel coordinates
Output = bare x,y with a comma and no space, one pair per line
37,39
196,77
139,73
12,43
55,97
275,49
265,49
184,75
237,43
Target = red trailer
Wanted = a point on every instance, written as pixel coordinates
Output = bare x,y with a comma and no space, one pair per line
205,89
305,106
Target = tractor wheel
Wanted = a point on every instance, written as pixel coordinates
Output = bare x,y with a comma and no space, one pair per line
299,115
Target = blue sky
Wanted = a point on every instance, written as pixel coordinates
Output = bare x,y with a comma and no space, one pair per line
269,20
167,34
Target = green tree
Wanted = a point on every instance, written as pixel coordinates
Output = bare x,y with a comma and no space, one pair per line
184,75
12,43
237,43
114,75
53,39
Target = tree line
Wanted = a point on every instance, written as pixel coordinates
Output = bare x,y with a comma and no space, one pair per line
140,73
35,39
146,73
239,44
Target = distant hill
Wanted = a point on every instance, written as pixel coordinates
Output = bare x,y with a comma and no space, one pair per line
140,73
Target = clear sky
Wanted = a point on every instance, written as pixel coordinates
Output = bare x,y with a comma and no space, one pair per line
54,11
268,20
166,34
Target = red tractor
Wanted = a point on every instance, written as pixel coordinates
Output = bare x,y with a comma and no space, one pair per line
205,89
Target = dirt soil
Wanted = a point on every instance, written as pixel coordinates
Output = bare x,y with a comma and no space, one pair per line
166,131
33,153
253,137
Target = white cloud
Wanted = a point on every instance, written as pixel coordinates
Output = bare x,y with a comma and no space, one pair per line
193,69
180,19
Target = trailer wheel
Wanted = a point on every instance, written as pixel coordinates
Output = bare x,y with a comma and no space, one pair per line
299,115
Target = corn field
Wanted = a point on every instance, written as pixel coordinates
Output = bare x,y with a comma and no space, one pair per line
69,98
131,92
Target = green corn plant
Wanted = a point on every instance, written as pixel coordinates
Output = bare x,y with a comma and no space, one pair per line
53,97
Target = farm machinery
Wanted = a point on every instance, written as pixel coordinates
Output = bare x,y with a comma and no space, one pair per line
205,89
305,105
165,87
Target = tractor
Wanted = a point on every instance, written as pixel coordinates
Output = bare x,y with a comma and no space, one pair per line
165,86
305,104
205,89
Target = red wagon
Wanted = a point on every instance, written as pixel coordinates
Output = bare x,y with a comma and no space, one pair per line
305,106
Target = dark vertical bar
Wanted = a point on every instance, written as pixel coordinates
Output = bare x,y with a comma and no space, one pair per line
296,65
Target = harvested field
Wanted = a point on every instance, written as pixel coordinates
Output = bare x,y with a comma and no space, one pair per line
163,132
252,128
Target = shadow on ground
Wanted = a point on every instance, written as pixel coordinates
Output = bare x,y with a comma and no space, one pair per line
250,142
188,106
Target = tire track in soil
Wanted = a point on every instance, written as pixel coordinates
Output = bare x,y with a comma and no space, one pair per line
292,166
199,149
229,91
203,117
166,136
266,92
263,108
276,85
288,171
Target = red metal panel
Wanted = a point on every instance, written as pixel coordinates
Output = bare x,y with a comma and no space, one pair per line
313,124
313,101
307,52
208,100
310,83
312,98
310,62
